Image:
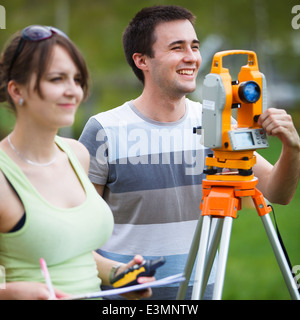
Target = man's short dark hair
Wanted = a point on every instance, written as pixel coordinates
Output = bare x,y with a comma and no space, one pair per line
139,35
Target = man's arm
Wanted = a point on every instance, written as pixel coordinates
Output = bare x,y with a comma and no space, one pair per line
278,183
99,188
93,137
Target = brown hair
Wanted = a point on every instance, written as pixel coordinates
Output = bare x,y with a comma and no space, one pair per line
139,36
35,58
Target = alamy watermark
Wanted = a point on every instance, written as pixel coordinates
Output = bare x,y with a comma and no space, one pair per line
2,277
296,272
2,18
296,19
126,144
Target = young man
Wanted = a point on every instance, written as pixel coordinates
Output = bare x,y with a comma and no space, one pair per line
145,160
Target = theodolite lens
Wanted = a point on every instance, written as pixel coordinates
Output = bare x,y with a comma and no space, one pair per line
249,91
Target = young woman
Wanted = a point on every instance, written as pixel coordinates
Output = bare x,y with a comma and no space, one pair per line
48,207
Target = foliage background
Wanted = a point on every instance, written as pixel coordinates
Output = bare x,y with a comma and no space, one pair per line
264,26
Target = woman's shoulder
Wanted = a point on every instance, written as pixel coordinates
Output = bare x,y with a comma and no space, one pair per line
79,150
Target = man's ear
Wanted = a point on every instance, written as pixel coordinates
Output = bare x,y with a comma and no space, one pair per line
140,61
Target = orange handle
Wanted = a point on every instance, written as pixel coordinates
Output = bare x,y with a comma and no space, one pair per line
217,64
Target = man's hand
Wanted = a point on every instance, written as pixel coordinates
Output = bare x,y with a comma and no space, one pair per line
276,122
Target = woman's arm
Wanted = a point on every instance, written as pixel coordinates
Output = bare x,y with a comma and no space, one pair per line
105,266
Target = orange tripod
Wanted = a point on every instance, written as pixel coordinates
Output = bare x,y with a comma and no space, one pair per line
222,200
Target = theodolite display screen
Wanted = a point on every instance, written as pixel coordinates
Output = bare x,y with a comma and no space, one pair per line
244,139
248,139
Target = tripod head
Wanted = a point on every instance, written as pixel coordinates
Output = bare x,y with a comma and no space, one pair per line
233,144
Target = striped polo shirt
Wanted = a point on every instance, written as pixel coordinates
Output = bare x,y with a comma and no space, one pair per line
152,172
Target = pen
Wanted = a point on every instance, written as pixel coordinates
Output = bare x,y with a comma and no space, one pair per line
46,276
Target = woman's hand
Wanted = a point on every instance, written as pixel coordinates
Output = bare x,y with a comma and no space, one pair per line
28,291
136,295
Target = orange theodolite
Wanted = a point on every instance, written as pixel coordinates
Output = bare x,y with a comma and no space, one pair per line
233,143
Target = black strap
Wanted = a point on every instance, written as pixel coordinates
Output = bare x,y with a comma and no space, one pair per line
284,249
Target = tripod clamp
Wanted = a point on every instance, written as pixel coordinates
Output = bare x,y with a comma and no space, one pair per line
223,198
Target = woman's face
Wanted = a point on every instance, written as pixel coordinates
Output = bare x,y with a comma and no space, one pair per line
61,92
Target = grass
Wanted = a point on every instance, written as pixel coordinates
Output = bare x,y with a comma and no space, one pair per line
252,270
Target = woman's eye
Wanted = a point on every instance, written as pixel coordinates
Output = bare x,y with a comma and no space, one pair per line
56,79
78,80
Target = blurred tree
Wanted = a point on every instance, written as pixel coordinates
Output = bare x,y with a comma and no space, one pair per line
96,26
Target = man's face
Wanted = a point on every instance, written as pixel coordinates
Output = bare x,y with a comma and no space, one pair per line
176,60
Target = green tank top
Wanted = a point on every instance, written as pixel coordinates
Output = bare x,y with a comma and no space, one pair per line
65,238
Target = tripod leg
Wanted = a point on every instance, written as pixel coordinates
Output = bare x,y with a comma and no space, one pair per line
190,260
212,248
284,267
223,254
200,268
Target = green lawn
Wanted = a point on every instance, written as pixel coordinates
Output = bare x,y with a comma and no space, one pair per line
252,270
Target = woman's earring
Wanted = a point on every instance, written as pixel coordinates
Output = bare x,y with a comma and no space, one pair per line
21,101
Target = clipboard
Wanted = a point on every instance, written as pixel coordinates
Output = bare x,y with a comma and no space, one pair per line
105,293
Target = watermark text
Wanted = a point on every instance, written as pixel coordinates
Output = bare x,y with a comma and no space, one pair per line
296,272
2,277
2,18
296,19
157,146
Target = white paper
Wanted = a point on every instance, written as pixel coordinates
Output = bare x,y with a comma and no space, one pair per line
157,283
